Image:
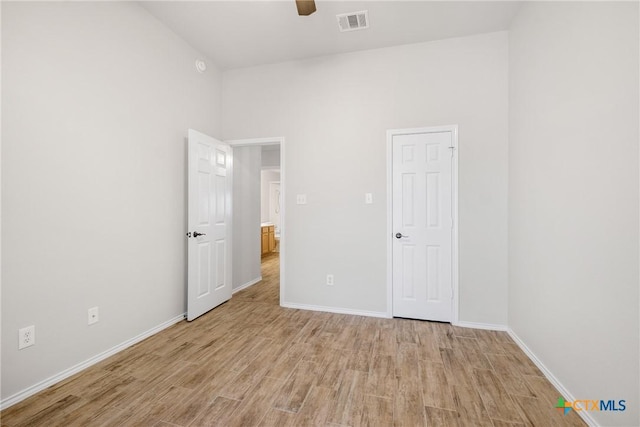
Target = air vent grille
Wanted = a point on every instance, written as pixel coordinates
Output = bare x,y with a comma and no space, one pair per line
353,21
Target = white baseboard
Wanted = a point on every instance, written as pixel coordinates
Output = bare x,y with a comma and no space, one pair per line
246,285
30,391
474,325
335,310
585,415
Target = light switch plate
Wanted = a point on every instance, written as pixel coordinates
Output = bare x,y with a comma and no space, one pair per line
368,198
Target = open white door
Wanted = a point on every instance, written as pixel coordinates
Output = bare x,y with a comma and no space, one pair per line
274,203
209,222
423,221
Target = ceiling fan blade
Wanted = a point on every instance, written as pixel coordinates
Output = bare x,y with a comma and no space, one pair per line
305,7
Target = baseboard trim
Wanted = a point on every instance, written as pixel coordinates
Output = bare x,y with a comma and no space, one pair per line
246,285
475,325
30,391
335,310
585,415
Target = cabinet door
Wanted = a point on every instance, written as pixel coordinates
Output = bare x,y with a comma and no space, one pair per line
265,242
272,239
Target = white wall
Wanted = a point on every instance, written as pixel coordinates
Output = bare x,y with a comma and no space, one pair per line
573,196
246,215
97,99
270,156
334,112
267,176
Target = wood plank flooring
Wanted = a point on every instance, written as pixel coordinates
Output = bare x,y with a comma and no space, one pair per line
250,362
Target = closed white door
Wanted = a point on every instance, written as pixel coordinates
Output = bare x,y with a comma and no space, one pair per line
422,225
209,216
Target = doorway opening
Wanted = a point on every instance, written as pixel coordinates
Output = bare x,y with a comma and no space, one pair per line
259,218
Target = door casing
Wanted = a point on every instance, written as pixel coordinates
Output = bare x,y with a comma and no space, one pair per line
454,210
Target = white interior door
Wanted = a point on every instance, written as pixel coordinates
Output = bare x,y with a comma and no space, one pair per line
422,218
209,217
274,203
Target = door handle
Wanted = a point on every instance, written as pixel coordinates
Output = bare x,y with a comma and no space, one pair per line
196,234
400,236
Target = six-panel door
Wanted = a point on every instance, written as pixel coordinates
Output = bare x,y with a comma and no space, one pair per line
209,215
422,222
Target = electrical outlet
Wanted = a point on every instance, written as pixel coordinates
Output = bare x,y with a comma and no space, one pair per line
329,279
26,337
301,199
368,198
93,315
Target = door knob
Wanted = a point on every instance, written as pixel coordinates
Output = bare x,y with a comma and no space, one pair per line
400,236
196,234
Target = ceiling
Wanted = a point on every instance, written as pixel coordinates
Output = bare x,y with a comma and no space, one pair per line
236,34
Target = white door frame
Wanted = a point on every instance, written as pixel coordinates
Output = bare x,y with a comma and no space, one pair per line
454,211
283,229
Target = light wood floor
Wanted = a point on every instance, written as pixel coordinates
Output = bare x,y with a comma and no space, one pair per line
250,362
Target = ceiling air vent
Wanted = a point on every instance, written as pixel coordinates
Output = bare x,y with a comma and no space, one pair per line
353,21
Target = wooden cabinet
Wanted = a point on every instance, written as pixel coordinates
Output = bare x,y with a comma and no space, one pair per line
265,241
268,236
272,239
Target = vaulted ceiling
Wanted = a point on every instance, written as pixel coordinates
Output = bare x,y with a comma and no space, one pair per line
237,34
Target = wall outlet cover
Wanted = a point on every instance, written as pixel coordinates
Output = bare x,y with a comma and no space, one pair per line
26,337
